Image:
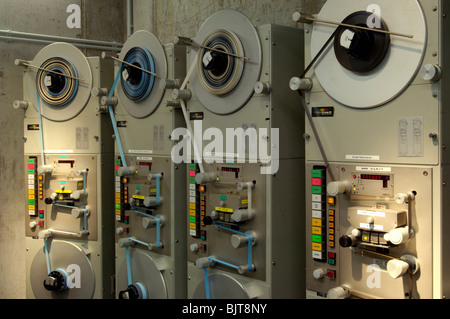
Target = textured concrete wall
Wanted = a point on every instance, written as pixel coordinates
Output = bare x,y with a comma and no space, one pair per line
104,20
168,18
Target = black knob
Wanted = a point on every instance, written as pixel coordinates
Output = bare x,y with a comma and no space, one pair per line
347,241
132,292
55,281
48,201
207,220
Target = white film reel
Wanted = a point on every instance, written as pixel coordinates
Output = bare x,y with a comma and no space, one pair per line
139,92
228,86
393,74
62,77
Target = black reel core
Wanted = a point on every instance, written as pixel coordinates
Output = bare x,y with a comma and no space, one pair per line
134,74
55,281
58,82
219,63
133,291
361,50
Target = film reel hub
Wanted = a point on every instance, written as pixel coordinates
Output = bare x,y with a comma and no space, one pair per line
221,72
360,50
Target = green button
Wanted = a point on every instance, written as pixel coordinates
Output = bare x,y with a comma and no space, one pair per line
316,173
317,239
317,190
31,202
192,180
31,171
192,219
118,206
118,162
31,160
331,261
193,167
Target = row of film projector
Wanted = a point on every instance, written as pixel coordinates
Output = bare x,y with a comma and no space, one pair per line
267,161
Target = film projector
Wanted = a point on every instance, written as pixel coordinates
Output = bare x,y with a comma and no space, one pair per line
374,93
68,157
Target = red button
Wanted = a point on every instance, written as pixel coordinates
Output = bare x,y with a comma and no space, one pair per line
316,181
331,274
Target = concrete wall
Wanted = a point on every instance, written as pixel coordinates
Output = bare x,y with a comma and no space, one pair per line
101,20
169,18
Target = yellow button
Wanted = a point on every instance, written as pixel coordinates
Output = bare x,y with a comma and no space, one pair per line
317,230
316,222
316,246
192,212
331,200
192,205
192,226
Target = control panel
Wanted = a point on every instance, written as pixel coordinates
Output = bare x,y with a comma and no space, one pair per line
227,218
142,197
370,217
61,196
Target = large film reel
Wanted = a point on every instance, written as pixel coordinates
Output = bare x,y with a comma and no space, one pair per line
363,69
139,91
146,277
62,79
225,81
66,259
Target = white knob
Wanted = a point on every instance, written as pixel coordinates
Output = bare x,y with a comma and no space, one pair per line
106,100
148,222
430,72
181,94
296,84
397,236
33,224
338,293
45,169
239,241
262,88
119,230
301,17
401,198
75,194
124,242
127,171
203,178
194,248
20,104
318,274
336,188
397,268
151,201
242,215
97,92
356,232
